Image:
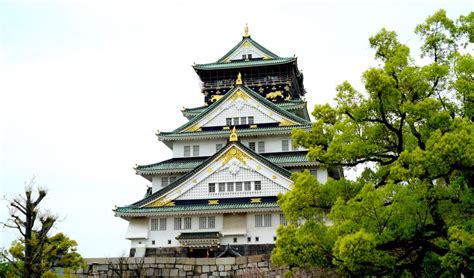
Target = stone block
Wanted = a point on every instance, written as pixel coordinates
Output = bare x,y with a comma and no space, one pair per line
150,272
102,267
227,267
202,261
179,266
262,264
198,268
235,267
225,261
204,275
221,267
184,260
254,258
173,272
181,273
169,265
147,260
213,267
97,260
166,260
205,268
161,265
187,267
223,274
241,260
165,272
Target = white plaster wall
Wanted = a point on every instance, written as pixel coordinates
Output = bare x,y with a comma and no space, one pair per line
161,238
246,49
208,148
156,181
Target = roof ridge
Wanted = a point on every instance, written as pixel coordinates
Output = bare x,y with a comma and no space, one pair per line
241,42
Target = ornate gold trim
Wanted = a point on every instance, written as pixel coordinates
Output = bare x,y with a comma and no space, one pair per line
255,200
233,135
234,152
212,202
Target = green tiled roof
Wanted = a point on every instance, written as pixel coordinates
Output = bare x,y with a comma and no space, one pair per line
252,93
186,164
199,235
243,132
204,164
245,63
201,207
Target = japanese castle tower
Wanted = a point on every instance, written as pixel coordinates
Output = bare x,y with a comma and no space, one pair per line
217,196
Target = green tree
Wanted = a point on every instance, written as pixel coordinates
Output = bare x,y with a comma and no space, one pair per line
411,209
35,253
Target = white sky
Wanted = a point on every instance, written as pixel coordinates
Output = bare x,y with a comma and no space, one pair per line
84,85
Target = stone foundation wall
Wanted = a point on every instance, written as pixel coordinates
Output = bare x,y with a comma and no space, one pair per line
248,266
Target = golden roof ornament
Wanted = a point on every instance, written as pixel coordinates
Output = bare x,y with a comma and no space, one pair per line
233,136
246,31
239,79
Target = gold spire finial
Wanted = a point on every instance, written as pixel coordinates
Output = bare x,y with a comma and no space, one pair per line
239,79
233,136
246,31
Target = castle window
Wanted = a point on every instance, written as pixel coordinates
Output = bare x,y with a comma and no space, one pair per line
248,186
282,219
249,56
228,121
164,181
263,220
274,238
211,222
169,241
222,187
252,146
212,187
236,121
285,145
238,186
235,240
187,151
244,56
153,242
187,223
202,222
251,120
230,186
257,239
218,147
243,120
261,147
249,239
155,224
177,223
258,185
196,150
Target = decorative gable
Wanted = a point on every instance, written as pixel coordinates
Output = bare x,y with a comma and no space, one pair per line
246,50
240,103
234,164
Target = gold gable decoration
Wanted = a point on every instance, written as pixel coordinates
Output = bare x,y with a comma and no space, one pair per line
246,31
285,122
234,152
239,79
161,202
239,94
233,135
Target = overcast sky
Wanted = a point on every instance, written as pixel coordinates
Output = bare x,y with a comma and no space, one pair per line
85,85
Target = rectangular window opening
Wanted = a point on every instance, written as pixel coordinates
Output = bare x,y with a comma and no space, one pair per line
196,150
212,187
258,185
187,151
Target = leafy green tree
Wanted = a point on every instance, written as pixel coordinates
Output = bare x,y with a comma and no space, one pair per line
35,253
411,209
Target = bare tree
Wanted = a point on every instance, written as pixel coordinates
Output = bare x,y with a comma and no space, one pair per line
33,226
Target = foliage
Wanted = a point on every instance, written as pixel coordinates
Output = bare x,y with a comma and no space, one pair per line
35,253
411,210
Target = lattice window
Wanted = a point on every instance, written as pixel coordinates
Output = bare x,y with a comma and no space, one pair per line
252,146
238,186
251,120
258,185
230,187
177,223
243,120
211,222
154,224
285,145
267,220
228,121
282,219
248,186
187,151
222,187
202,222
187,223
261,147
164,181
236,121
258,220
212,187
